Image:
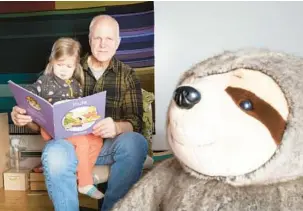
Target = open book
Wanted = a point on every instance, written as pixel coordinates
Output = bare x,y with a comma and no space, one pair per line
65,118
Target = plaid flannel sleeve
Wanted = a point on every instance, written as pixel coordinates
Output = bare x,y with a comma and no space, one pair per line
133,103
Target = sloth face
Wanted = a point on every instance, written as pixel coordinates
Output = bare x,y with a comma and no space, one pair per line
227,124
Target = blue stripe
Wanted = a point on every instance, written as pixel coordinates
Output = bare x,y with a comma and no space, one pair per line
5,91
143,59
138,35
19,78
7,103
137,30
138,39
135,51
136,45
66,34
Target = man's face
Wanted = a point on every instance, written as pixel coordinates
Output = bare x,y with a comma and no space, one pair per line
104,41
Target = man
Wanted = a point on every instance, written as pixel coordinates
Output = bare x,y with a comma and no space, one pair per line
125,149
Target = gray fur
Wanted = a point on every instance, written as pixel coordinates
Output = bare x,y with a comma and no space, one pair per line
277,185
168,188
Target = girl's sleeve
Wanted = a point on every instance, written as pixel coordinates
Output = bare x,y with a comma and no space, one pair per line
36,87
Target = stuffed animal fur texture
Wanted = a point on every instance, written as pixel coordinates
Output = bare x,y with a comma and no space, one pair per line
236,135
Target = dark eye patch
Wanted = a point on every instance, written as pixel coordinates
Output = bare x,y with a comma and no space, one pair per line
259,109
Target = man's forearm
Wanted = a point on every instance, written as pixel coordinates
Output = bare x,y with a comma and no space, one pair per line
123,127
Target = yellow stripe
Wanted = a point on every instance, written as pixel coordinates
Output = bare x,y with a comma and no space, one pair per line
70,87
59,5
145,69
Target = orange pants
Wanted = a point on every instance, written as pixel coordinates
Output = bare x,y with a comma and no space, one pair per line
87,148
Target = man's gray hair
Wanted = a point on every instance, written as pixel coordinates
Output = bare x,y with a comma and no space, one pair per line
98,17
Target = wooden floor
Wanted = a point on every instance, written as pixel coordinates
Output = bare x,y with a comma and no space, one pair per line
34,201
39,201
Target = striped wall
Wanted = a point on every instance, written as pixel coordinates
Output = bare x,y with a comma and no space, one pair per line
28,30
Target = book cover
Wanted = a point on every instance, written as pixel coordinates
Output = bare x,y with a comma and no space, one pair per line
65,118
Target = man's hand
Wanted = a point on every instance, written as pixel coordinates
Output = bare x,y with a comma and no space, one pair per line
106,128
19,116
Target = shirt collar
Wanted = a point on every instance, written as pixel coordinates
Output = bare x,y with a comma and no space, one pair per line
61,82
111,65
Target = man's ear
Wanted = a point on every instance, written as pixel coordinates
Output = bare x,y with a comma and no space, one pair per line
89,40
118,43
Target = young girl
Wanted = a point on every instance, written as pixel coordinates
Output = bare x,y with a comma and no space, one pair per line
63,79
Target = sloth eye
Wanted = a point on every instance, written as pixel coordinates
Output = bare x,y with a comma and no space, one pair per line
246,105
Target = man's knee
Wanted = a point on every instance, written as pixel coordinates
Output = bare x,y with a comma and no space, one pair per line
133,144
59,156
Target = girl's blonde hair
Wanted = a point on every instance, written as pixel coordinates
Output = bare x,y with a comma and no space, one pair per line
66,47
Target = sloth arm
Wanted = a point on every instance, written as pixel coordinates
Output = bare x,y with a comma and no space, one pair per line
148,192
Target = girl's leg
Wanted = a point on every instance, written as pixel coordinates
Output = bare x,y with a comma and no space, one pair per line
95,146
84,170
45,135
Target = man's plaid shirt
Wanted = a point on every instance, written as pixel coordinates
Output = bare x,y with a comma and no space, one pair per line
123,92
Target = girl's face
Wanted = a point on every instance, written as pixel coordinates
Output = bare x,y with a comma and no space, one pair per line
64,67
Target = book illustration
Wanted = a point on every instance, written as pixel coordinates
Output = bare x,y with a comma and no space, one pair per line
80,118
33,103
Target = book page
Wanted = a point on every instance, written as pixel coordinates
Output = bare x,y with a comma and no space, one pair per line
78,116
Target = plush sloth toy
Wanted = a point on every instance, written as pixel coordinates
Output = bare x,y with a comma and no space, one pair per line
235,125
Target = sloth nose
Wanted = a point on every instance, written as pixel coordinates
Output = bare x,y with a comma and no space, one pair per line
186,97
